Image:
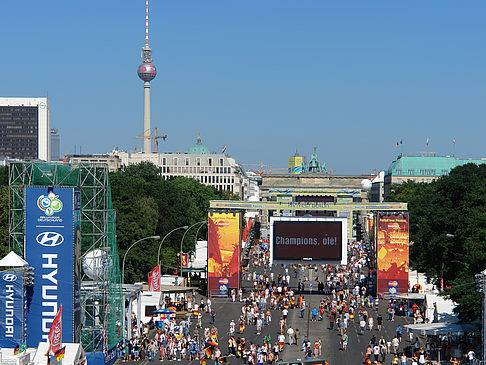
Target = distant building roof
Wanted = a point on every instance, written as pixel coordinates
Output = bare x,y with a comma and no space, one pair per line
199,148
427,165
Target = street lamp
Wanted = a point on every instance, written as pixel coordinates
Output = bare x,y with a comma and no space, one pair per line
161,242
133,244
197,232
123,275
182,240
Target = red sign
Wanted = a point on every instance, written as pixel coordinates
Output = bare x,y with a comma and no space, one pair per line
185,260
55,333
154,279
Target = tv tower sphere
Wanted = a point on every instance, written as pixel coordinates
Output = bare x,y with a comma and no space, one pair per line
147,71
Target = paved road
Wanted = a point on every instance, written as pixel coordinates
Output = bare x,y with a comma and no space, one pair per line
226,310
331,347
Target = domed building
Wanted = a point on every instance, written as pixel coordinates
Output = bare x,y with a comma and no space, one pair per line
199,148
215,169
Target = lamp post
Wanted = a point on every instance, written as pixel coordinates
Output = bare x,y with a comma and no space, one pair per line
161,242
182,240
123,274
197,232
129,248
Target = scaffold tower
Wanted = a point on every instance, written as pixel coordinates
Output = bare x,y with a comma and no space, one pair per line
101,294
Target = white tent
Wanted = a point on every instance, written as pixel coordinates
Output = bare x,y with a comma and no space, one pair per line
13,260
74,355
445,308
439,329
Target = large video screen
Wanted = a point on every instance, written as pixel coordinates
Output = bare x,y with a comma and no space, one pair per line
308,240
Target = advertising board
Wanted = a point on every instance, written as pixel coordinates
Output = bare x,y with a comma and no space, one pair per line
315,240
392,253
11,307
49,249
224,250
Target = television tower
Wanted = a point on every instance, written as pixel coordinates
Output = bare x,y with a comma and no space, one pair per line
147,72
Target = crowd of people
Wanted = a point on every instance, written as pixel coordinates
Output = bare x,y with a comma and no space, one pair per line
345,303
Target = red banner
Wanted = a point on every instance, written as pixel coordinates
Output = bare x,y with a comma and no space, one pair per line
154,279
55,333
224,248
247,229
392,253
185,260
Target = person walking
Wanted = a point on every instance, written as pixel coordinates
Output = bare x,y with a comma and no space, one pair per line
290,335
344,341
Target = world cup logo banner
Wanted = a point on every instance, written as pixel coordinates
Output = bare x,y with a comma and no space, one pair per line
154,279
50,250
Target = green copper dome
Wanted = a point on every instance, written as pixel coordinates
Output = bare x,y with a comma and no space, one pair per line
199,148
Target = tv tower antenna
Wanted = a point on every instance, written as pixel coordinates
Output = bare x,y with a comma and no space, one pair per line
147,72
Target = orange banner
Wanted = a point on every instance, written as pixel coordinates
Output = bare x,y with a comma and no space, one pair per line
224,246
392,253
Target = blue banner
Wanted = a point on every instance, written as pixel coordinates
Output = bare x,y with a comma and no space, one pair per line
49,248
11,305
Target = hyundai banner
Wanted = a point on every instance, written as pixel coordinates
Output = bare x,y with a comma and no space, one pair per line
10,309
49,249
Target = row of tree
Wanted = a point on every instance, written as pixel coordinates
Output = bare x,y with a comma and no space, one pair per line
448,232
145,205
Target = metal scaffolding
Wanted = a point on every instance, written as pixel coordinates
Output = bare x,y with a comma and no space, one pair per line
101,296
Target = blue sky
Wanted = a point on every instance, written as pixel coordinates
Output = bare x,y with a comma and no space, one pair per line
264,77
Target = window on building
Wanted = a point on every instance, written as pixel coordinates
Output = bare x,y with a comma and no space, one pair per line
198,161
187,162
210,161
411,172
444,172
164,161
175,161
398,172
221,162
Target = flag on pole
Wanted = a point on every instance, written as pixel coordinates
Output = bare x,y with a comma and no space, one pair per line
427,141
154,279
55,333
16,350
454,141
60,353
223,149
397,144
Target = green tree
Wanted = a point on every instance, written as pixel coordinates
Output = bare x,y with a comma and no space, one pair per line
147,205
448,229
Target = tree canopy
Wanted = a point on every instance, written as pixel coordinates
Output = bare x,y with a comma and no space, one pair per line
448,231
147,205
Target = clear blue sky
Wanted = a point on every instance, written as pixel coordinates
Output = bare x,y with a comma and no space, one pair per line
264,77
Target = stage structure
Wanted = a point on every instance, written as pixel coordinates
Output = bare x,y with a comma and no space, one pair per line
93,240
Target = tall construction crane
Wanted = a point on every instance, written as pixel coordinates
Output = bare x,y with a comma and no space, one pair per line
156,137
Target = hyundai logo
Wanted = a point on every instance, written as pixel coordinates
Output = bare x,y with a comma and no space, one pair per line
49,239
9,277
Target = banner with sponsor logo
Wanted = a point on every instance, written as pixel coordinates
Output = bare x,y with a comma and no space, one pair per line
11,305
392,253
49,248
154,279
224,250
